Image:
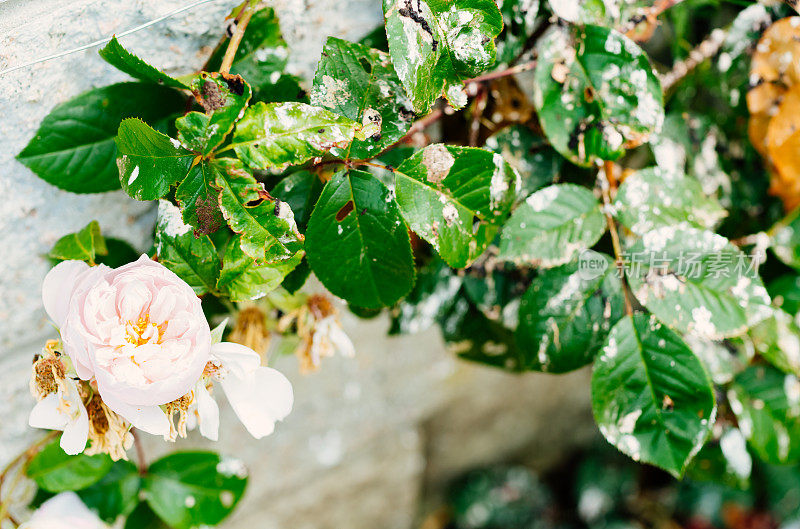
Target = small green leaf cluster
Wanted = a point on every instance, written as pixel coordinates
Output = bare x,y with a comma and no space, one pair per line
181,490
520,244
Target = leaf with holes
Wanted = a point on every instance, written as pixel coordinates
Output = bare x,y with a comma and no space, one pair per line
149,162
360,83
121,59
765,402
651,397
456,198
652,198
358,244
193,259
243,279
277,135
84,245
697,282
190,489
224,98
436,46
566,314
198,195
267,225
74,147
552,226
595,92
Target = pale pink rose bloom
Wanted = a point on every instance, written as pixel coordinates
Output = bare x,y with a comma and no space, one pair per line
64,511
138,330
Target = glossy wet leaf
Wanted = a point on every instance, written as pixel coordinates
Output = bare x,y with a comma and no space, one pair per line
55,471
269,232
777,339
552,226
277,135
301,191
193,259
358,244
84,245
190,489
566,314
116,493
433,296
537,163
696,281
437,45
243,279
74,147
360,83
595,92
456,198
767,407
519,19
651,397
652,198
149,162
121,59
143,517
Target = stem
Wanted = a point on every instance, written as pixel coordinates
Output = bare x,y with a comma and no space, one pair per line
705,50
22,459
522,67
606,177
478,106
230,53
141,460
224,37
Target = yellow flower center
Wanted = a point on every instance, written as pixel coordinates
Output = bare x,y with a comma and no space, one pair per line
144,331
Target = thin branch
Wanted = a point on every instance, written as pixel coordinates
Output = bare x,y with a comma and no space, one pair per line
225,37
704,51
21,460
605,177
236,39
519,68
141,460
478,107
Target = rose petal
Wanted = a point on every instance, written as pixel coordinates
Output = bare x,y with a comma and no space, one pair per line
260,399
208,412
57,289
64,511
237,358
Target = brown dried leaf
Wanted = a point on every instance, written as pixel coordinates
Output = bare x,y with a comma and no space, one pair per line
783,146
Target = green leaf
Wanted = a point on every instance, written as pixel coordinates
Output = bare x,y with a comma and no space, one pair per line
436,46
149,162
767,407
696,281
243,279
456,198
519,18
55,471
595,92
119,253
358,244
277,135
143,517
552,226
611,13
74,147
123,60
651,198
193,259
116,494
198,195
190,489
360,83
224,98
651,396
785,293
295,279
777,339
301,191
434,294
537,163
267,225
726,461
566,314
84,245
785,237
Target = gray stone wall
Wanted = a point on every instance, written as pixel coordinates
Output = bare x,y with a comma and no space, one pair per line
368,434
